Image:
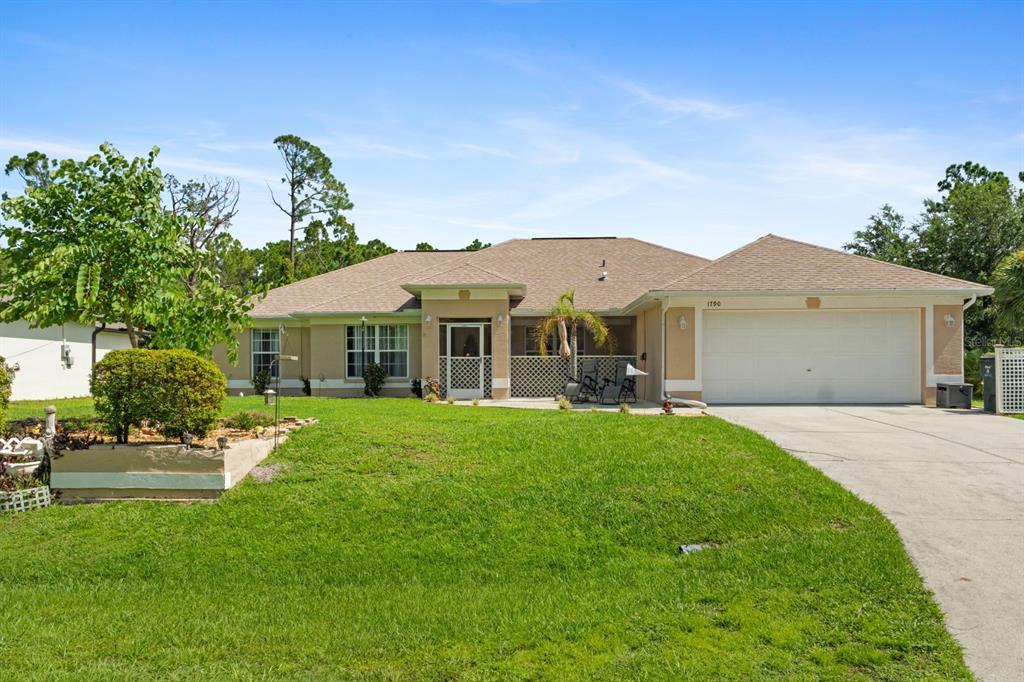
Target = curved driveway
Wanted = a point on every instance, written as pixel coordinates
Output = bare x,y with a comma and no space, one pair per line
953,484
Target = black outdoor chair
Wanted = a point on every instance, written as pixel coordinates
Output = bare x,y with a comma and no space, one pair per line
580,390
621,388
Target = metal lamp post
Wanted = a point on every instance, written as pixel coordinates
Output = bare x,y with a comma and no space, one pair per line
277,402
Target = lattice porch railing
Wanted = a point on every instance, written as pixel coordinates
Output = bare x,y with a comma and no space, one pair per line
1010,380
465,373
535,377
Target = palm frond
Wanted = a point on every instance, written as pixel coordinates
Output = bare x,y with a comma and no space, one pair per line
598,330
545,328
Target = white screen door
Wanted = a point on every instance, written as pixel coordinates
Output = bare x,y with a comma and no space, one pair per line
465,360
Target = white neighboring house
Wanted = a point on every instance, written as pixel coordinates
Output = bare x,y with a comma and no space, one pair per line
39,355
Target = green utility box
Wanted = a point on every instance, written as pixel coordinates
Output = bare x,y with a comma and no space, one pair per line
988,377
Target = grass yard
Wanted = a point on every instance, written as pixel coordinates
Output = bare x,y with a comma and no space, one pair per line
417,541
66,407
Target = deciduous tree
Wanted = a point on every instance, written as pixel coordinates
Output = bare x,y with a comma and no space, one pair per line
977,222
92,242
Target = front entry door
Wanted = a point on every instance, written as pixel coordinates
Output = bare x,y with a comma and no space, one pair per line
465,361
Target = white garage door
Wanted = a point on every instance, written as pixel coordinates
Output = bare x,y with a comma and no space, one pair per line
812,356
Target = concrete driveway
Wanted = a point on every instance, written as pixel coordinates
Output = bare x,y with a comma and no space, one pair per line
953,484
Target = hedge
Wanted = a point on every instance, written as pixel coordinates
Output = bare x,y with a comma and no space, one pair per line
176,391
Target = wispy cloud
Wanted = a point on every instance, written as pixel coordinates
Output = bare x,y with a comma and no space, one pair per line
483,150
686,106
232,147
202,166
23,145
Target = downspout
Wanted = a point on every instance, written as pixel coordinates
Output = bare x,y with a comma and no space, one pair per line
971,302
101,329
664,341
95,331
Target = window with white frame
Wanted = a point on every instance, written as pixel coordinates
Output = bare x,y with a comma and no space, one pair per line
384,344
266,345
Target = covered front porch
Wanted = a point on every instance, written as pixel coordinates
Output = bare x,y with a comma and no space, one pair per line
481,358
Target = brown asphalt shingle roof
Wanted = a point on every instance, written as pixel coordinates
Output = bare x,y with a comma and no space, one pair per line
547,267
370,285
461,273
774,263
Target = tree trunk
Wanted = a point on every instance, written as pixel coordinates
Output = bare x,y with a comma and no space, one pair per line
291,249
132,339
573,354
291,229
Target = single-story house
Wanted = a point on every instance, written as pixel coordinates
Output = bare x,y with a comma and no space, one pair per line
55,362
775,321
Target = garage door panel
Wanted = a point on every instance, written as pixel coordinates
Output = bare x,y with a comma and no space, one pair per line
813,356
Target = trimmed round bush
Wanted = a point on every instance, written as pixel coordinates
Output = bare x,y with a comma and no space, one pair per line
176,391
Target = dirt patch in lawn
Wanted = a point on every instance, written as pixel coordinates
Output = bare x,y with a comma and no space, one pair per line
267,473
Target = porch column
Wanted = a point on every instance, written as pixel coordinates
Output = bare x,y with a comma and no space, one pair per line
500,369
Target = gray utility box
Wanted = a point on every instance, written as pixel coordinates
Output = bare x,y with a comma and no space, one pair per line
954,395
988,376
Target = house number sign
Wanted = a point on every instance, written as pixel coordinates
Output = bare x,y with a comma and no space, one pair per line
713,304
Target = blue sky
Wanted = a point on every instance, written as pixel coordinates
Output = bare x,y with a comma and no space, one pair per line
700,127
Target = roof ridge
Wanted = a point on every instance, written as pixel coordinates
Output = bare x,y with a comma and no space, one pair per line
719,259
306,280
374,285
870,259
666,248
481,269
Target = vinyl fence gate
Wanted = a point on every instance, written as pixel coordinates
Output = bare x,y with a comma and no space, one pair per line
1009,380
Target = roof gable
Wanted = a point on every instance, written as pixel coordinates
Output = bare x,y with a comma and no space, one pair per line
774,263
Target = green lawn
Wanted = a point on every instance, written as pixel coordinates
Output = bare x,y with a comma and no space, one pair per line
416,541
66,407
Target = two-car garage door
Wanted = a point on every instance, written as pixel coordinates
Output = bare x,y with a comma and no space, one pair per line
812,356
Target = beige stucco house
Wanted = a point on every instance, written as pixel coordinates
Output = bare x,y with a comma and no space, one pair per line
776,321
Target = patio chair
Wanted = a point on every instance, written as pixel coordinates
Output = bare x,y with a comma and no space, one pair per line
621,388
580,390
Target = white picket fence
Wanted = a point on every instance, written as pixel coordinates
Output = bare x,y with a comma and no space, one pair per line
1009,380
26,499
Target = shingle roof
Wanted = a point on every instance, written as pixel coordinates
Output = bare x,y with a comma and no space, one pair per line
541,269
550,266
545,267
367,286
461,273
774,263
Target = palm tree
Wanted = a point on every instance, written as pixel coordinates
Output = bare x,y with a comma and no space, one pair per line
1009,298
566,318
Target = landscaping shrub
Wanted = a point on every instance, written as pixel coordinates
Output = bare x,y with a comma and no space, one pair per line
6,379
431,389
972,369
261,381
306,388
174,390
248,420
374,377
